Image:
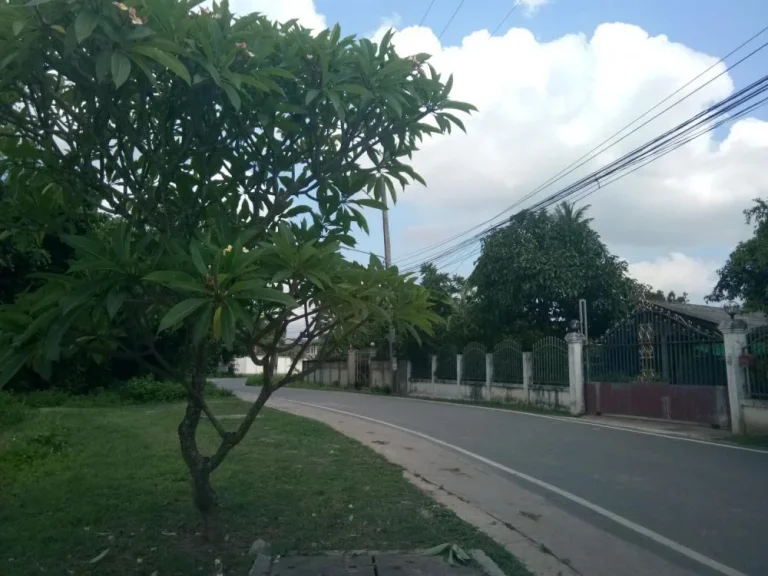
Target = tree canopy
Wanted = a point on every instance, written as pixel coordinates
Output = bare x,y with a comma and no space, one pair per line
232,156
532,272
745,274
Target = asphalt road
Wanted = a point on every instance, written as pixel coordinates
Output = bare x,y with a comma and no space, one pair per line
709,498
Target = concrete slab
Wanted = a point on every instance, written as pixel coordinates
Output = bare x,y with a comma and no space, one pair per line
369,565
323,566
420,566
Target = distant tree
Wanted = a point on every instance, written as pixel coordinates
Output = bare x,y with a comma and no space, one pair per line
671,296
532,273
745,275
567,211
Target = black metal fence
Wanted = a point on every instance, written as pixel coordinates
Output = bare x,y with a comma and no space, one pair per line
508,362
550,362
473,364
446,364
656,345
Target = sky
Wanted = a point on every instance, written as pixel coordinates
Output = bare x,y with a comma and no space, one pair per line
558,78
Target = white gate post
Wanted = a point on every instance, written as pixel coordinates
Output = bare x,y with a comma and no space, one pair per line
458,373
735,341
488,375
408,378
576,371
527,375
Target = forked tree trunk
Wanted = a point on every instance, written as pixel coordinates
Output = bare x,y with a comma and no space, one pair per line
202,492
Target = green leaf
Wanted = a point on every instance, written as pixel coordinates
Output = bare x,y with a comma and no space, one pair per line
103,61
36,326
227,326
121,68
370,202
167,60
56,333
202,324
18,26
311,95
115,300
336,101
36,2
85,23
463,106
255,290
232,94
296,210
176,315
10,364
197,258
83,244
175,279
437,550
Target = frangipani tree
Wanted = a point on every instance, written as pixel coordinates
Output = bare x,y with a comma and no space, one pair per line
234,156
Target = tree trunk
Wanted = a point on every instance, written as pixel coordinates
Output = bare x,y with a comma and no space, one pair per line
202,493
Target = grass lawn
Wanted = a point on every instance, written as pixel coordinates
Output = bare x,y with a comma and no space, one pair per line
758,441
77,481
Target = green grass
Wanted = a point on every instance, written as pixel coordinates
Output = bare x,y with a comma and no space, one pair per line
77,481
759,440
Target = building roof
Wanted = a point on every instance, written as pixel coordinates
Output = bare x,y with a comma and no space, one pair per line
712,314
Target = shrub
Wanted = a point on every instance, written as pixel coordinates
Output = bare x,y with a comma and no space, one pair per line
258,379
12,410
145,390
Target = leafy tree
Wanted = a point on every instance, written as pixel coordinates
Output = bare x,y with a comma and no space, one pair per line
236,154
671,296
745,274
567,211
532,272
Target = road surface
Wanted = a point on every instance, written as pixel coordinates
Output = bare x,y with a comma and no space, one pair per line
708,498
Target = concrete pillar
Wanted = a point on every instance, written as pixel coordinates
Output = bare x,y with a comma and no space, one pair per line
352,368
735,341
576,371
408,377
433,358
488,375
527,374
458,373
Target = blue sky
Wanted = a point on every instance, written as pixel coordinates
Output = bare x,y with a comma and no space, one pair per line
676,221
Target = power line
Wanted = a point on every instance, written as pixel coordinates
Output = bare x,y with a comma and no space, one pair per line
367,253
451,18
517,3
603,147
703,122
427,12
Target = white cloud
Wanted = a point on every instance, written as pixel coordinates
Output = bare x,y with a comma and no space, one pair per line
283,10
532,5
679,273
542,105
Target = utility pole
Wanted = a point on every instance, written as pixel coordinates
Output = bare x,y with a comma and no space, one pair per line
388,263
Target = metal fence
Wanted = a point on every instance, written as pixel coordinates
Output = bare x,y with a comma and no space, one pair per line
654,345
550,362
508,362
421,365
757,363
446,364
473,364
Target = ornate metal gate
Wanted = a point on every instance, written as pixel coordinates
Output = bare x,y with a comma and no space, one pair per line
656,364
